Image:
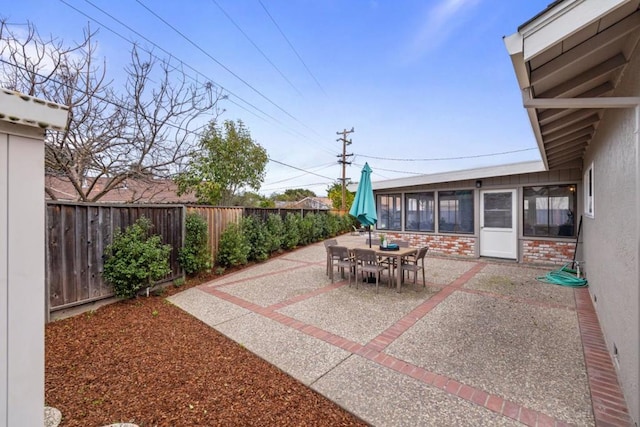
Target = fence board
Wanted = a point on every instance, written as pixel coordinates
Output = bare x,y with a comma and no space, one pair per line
77,235
218,219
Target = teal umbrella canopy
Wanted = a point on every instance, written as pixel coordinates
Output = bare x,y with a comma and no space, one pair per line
364,204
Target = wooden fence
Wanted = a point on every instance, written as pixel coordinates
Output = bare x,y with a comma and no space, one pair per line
218,219
78,233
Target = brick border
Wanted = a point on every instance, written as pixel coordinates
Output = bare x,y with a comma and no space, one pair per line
607,399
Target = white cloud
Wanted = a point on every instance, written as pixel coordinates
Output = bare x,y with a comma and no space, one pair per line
439,23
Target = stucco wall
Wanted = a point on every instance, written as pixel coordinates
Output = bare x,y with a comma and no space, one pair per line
611,237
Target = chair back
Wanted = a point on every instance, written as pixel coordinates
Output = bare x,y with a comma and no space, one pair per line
330,242
339,252
421,253
367,256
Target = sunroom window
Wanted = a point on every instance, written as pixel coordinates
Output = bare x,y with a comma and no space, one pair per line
455,211
549,211
389,212
419,211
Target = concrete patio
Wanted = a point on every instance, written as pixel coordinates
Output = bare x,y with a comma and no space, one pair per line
483,343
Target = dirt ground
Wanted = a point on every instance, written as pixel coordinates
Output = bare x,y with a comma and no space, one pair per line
146,362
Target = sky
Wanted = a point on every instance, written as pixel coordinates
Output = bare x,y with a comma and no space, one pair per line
427,85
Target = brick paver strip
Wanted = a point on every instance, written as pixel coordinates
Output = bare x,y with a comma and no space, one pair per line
609,405
213,283
607,399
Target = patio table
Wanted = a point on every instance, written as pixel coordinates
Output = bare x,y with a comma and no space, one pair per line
395,254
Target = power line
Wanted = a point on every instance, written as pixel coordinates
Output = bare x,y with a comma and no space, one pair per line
197,46
293,167
126,108
446,158
278,122
392,170
256,46
301,175
291,46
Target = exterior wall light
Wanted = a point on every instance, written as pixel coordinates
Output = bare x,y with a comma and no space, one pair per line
478,183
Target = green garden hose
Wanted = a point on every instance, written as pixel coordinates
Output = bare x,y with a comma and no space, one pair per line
563,277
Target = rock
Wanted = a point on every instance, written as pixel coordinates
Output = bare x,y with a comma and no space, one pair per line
52,417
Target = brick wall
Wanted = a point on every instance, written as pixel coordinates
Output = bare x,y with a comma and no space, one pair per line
547,252
440,244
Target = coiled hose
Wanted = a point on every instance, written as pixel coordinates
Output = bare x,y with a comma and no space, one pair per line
563,277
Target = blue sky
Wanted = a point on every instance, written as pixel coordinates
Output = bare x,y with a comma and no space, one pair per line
417,79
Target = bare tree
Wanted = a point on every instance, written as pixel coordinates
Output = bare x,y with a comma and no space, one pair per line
141,131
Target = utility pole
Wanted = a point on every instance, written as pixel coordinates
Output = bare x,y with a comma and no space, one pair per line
343,160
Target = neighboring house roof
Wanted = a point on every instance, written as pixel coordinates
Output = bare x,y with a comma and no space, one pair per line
459,175
568,61
16,107
323,203
133,190
314,203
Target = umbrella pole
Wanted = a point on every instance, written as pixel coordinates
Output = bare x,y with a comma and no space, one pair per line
369,237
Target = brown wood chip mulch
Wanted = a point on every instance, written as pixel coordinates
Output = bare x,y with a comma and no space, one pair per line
147,362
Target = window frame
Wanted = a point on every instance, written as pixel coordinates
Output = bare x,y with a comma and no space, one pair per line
472,218
572,208
392,211
412,196
589,192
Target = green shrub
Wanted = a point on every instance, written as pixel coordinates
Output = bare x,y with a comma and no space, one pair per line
306,229
233,248
291,237
275,232
195,256
319,227
135,259
333,225
256,233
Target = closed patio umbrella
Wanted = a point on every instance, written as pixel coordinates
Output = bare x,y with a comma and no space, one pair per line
364,205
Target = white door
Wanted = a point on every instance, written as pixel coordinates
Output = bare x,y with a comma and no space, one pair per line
498,219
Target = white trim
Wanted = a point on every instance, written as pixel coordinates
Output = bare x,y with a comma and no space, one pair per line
460,175
562,21
16,107
600,102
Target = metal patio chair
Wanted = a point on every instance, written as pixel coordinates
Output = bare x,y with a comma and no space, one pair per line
416,265
341,259
367,261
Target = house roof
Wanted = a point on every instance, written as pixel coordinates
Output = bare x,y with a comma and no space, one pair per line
568,61
459,175
133,190
308,203
16,107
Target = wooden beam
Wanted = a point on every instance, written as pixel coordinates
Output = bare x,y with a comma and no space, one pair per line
593,73
600,42
569,119
568,130
600,102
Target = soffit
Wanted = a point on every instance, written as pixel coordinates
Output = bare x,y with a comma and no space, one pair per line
585,63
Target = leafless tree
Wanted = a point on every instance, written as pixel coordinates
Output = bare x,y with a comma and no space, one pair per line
141,129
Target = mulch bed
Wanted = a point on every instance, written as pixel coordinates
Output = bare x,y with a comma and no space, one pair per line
147,362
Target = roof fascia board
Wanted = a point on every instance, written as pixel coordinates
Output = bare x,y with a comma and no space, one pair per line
461,175
16,107
602,102
561,21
